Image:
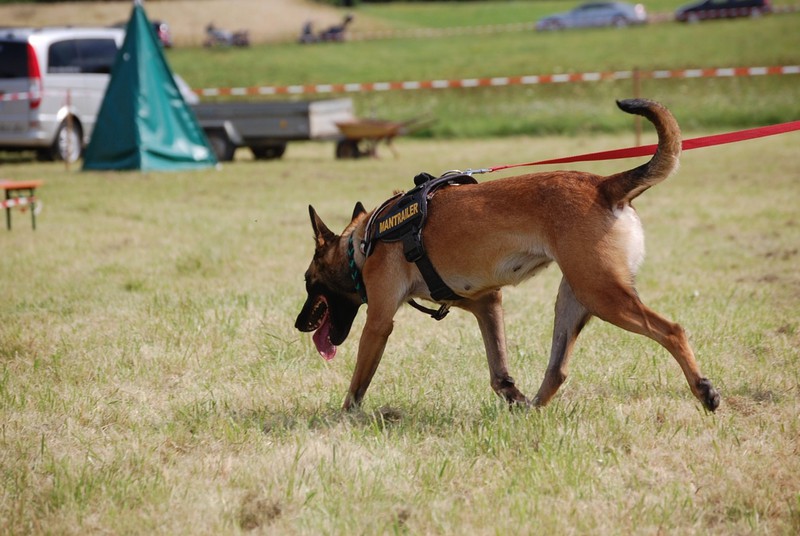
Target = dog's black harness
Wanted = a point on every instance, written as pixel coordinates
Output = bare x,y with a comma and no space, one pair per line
402,218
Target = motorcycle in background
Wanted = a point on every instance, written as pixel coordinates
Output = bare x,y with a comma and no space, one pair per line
334,33
219,37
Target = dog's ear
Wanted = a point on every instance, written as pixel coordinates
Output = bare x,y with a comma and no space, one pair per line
358,210
322,234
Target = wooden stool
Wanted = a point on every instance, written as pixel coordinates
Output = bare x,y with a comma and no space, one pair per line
19,194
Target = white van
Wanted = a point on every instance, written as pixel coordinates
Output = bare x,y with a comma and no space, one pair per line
52,82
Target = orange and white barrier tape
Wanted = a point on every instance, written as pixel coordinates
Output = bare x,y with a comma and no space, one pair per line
4,97
499,81
17,202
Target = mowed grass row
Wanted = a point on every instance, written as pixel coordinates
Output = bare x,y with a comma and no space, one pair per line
492,12
538,109
151,380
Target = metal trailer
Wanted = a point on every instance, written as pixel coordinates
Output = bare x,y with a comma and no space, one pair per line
266,127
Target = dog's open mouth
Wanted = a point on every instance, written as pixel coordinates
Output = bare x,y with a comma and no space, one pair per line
320,321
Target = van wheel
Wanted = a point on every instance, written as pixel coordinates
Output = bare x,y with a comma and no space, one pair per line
68,143
222,145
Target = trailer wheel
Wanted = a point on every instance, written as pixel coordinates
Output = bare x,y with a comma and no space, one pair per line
222,145
347,149
268,152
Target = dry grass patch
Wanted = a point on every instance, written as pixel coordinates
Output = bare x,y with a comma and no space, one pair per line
151,380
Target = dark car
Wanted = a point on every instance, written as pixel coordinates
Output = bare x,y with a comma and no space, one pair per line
722,9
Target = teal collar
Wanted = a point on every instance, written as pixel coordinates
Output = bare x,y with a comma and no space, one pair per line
355,273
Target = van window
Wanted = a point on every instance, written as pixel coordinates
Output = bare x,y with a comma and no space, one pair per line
13,60
81,56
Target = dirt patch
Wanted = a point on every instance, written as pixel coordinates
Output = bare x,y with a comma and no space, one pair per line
257,511
271,21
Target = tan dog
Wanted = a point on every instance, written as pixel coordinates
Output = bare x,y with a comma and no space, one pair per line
481,237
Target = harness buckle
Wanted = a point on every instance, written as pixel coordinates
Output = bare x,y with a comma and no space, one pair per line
412,246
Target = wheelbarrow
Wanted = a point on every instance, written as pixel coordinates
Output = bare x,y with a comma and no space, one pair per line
360,137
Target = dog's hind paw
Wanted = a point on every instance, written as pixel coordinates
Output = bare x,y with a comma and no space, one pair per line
708,395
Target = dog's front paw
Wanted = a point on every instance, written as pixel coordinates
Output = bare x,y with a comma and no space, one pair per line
505,388
708,395
521,404
350,403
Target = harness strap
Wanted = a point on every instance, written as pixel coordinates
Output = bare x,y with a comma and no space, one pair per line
358,281
355,273
415,252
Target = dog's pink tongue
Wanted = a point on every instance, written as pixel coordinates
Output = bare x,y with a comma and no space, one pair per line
322,340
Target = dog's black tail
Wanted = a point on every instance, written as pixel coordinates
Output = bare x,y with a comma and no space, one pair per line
625,186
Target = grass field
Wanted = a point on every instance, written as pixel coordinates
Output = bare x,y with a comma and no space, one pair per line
276,59
151,381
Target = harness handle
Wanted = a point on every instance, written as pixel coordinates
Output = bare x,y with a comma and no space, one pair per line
436,314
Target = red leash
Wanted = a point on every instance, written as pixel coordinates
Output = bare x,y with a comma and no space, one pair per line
647,150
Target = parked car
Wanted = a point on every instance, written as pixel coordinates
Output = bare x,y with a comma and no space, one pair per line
722,9
618,14
52,83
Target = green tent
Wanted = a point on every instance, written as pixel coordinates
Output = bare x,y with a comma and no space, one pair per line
144,123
